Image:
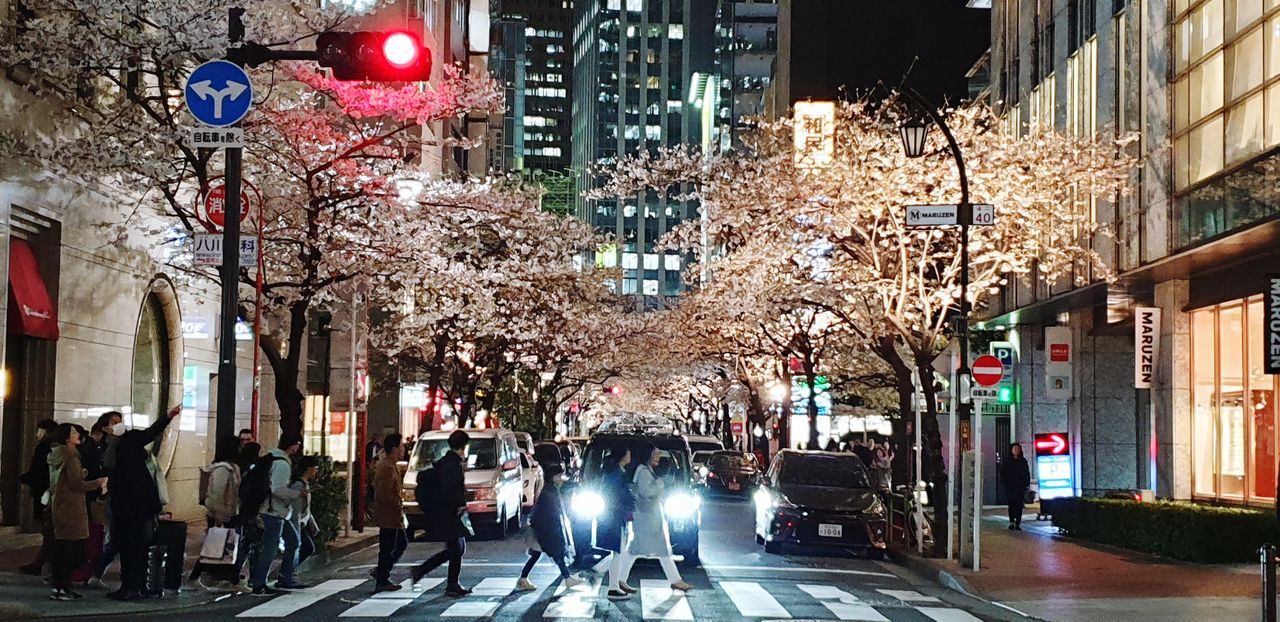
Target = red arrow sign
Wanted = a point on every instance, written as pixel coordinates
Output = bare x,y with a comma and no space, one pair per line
1053,444
987,370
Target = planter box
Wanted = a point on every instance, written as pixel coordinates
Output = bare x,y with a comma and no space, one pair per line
1186,531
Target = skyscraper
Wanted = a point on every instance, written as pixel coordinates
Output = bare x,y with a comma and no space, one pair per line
636,66
746,46
544,46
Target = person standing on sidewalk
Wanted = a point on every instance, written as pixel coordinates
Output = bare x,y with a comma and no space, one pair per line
221,501
549,532
135,501
650,526
447,513
37,480
1015,474
274,514
67,509
388,514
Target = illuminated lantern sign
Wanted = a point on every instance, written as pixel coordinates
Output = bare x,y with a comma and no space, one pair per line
1054,469
814,133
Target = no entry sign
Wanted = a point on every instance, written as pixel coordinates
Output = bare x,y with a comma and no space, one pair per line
987,370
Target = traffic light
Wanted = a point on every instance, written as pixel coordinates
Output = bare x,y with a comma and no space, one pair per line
615,389
394,56
1004,394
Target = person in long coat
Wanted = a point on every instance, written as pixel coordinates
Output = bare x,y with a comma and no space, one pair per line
135,501
1015,474
649,527
68,510
611,525
549,533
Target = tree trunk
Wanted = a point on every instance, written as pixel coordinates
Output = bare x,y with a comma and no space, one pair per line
811,377
289,399
756,415
434,374
933,462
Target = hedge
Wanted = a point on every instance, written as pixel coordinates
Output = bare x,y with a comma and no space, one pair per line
1186,531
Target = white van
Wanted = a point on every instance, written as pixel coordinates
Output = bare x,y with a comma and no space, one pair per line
493,478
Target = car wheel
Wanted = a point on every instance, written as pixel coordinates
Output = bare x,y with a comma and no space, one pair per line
876,554
773,548
501,526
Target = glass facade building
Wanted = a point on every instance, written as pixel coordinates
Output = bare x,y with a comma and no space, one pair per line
634,64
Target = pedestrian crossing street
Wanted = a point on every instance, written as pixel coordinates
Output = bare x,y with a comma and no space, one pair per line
497,598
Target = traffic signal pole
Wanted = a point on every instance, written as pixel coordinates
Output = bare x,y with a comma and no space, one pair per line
225,418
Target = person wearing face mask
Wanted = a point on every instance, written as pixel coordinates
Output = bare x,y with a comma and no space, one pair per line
549,533
67,509
135,501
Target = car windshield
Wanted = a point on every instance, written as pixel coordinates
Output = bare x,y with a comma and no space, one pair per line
730,461
702,457
482,453
673,462
830,471
705,446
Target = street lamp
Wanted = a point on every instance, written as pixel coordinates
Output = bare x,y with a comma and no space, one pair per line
915,134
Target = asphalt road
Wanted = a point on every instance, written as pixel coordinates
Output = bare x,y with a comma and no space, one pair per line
738,581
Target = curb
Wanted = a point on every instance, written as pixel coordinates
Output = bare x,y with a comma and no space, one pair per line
946,579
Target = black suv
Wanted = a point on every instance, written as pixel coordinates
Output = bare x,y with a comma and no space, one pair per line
682,505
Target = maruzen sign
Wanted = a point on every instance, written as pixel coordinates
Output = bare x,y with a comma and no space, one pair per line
1146,345
1271,325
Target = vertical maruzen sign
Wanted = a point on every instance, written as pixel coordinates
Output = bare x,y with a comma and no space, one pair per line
1058,372
1146,345
1271,325
815,143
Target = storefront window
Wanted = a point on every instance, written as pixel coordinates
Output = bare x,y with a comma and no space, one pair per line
151,361
1233,414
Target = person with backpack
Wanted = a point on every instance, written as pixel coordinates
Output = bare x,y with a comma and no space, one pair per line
443,489
135,500
67,509
37,480
220,495
267,489
549,533
388,514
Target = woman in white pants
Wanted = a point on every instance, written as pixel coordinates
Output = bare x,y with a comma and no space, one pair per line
649,527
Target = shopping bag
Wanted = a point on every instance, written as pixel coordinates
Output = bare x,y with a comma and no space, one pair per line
220,546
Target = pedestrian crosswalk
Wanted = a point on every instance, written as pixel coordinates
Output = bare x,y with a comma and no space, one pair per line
497,598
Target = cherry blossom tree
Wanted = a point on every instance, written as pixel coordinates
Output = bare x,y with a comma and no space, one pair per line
329,157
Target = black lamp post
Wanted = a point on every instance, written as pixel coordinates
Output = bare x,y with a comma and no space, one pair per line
915,135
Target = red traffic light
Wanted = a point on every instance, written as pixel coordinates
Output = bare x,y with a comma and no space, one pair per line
616,389
395,56
1053,444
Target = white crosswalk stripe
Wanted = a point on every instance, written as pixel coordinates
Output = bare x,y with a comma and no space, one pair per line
842,604
753,600
909,596
947,614
292,602
383,604
471,609
659,602
579,602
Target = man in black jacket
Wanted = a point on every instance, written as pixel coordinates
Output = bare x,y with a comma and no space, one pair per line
37,479
135,502
446,514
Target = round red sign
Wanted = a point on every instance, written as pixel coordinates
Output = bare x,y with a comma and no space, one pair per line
215,204
987,370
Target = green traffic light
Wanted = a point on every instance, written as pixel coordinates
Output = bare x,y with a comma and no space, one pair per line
1005,395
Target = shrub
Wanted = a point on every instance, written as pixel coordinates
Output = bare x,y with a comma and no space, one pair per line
1186,531
328,500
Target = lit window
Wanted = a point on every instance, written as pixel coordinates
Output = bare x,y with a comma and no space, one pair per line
650,287
650,261
672,262
675,31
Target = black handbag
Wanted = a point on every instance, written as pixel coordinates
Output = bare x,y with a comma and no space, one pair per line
1029,496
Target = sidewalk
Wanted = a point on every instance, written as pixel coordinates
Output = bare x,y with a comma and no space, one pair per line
24,596
1050,577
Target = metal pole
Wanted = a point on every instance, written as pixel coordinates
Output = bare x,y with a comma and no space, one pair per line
952,448
225,418
977,485
1268,559
353,487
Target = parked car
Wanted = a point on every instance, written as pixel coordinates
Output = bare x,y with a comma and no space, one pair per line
531,474
704,442
820,498
525,441
699,463
494,479
571,454
682,504
733,472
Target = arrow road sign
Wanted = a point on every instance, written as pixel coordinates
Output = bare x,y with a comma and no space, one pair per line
987,370
1051,443
219,93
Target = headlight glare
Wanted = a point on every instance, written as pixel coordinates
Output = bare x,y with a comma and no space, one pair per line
681,505
587,504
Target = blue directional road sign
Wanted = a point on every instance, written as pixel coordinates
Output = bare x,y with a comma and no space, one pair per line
218,93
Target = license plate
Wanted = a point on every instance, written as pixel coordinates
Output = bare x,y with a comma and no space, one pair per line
830,531
735,486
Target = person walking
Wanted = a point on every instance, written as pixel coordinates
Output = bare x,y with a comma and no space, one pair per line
549,531
388,514
67,509
650,537
221,499
1015,474
274,514
135,501
611,526
447,513
36,479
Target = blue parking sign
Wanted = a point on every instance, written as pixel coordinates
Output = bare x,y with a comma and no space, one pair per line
218,93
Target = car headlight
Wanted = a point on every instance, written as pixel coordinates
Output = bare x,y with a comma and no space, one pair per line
762,498
587,504
681,505
703,471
